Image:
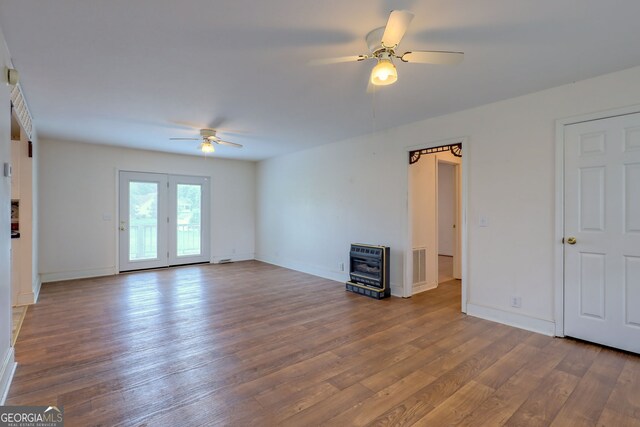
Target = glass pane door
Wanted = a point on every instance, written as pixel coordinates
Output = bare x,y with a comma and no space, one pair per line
189,201
189,212
143,220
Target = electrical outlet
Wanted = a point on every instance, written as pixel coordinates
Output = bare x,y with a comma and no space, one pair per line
342,266
516,302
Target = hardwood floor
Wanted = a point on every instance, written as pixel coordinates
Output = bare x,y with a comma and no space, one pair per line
252,344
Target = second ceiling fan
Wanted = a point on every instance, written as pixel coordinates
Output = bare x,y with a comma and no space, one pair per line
208,137
383,43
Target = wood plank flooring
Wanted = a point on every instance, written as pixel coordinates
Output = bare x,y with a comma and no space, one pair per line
253,344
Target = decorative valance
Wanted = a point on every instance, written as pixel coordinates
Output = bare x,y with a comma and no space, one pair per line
19,105
456,150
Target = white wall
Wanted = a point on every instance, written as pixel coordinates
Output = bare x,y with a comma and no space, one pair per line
78,186
446,208
313,203
7,363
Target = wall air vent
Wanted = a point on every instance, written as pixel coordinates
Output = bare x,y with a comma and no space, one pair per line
419,265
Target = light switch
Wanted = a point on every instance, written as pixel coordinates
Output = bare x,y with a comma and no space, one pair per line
484,221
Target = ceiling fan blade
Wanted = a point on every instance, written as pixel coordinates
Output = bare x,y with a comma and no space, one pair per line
217,122
337,60
185,139
397,25
371,88
231,144
433,57
233,131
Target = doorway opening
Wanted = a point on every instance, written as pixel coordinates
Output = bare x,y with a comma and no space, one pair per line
436,206
448,206
23,274
598,228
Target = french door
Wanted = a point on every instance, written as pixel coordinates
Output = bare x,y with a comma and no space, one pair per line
163,220
602,231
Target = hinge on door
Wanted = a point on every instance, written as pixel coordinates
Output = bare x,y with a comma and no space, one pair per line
167,184
167,254
167,219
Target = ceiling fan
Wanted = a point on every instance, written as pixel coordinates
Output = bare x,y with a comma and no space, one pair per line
384,41
209,138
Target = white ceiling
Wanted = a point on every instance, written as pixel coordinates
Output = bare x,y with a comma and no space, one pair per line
135,73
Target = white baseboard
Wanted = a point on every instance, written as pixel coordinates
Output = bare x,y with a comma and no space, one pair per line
6,374
521,321
338,276
29,298
234,257
76,274
426,286
397,290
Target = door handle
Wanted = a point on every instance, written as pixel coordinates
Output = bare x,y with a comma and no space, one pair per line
571,240
123,226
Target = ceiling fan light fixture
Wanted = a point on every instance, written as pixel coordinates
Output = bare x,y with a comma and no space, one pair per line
384,73
207,147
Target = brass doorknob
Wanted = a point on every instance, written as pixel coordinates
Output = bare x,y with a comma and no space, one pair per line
571,240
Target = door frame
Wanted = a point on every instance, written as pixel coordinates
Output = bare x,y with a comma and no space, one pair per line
558,251
408,259
116,222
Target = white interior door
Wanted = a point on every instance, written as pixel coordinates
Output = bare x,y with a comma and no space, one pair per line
164,220
602,231
142,222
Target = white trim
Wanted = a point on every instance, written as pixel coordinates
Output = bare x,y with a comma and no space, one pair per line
336,276
558,249
396,290
6,374
314,270
423,287
464,256
521,321
408,260
77,274
116,221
